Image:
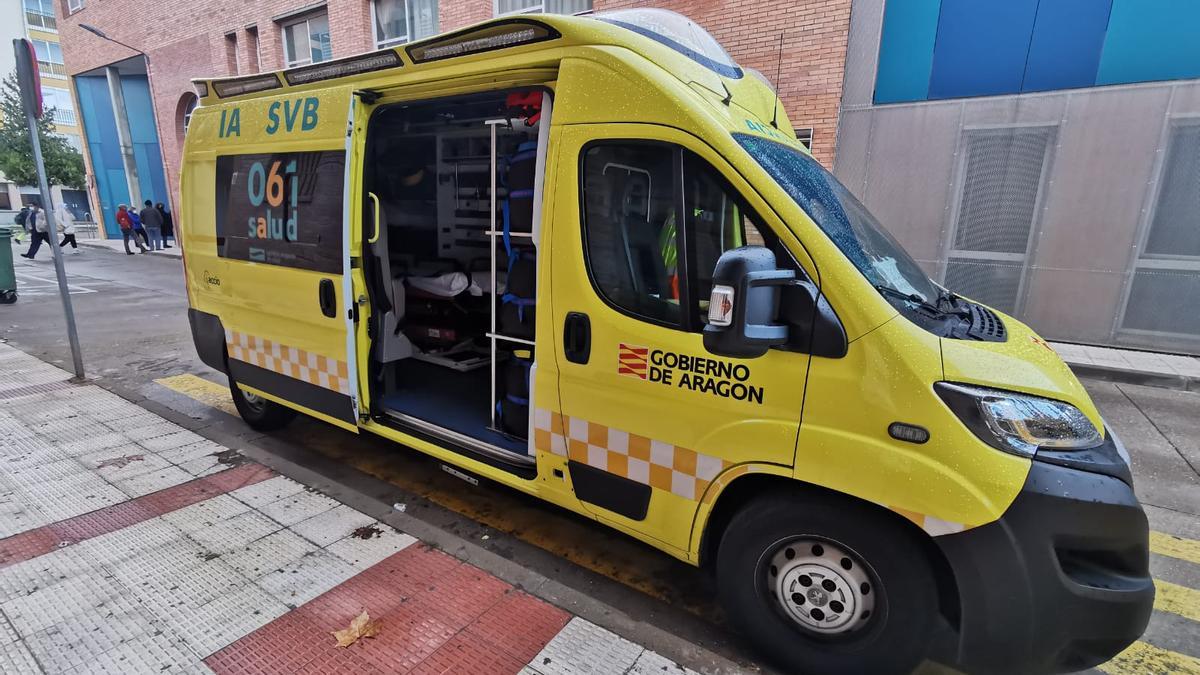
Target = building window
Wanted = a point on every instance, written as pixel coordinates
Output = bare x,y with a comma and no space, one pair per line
183,113
74,141
1165,287
231,55
804,135
307,41
503,7
400,21
1002,176
74,6
252,50
50,59
40,14
63,104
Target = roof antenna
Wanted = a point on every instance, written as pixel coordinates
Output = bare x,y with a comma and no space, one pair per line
728,94
778,72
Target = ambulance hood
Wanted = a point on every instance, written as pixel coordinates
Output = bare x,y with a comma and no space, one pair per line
1023,363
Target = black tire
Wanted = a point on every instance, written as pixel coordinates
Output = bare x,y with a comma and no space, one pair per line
259,413
894,635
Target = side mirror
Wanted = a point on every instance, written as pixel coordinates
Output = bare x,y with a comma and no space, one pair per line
744,304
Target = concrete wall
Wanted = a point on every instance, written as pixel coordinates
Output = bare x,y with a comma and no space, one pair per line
1098,192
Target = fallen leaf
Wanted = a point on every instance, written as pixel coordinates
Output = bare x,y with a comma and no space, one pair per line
120,462
361,626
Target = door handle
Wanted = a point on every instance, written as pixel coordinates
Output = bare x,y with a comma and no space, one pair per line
327,298
577,337
375,216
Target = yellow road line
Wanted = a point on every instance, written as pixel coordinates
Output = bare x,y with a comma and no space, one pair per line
1177,599
202,390
1141,657
1175,547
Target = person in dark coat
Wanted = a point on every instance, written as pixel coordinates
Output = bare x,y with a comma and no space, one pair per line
168,226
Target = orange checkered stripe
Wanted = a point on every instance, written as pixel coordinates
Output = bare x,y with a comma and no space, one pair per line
295,363
683,472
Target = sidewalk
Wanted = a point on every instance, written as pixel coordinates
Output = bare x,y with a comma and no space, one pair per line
1128,365
118,245
131,545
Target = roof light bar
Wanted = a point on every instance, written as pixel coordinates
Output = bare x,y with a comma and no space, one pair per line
245,85
352,66
487,38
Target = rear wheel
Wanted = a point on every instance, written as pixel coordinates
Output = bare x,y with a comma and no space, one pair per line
827,586
258,412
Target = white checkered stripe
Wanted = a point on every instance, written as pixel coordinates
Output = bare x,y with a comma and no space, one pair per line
681,471
296,363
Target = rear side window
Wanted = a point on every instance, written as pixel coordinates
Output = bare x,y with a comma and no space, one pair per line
640,259
282,209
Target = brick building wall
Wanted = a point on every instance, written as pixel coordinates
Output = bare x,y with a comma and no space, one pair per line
199,38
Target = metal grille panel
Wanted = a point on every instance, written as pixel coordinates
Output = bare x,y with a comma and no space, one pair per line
1175,229
1000,188
1164,301
995,284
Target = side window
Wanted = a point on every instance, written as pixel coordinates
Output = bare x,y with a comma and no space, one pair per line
717,221
629,228
631,198
281,209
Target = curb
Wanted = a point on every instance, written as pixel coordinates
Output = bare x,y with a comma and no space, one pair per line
92,244
1142,377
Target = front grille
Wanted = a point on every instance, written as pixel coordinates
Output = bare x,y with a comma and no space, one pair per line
986,325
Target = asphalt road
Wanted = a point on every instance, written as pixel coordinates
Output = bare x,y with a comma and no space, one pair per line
131,312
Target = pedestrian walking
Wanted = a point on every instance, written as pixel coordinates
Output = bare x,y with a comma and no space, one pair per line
152,221
65,220
127,231
168,226
39,228
21,218
136,219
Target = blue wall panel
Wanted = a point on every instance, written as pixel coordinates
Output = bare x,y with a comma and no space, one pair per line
906,50
1067,40
105,150
1151,40
981,47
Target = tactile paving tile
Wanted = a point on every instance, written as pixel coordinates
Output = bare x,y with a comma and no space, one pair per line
462,596
539,622
407,636
184,584
270,490
325,528
41,572
191,451
206,513
653,663
203,466
121,461
117,546
228,617
150,653
55,604
152,481
18,516
300,506
45,471
298,582
463,654
268,554
363,553
288,644
78,640
583,647
15,657
102,441
234,533
158,435
100,522
26,545
73,496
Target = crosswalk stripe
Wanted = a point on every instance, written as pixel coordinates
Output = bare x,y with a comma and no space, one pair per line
1142,657
1177,599
200,389
1175,547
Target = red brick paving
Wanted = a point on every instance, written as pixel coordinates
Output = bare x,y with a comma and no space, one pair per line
40,541
435,614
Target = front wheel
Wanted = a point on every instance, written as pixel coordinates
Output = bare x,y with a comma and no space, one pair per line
258,412
827,586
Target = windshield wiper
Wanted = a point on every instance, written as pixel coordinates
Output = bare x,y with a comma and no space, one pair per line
910,297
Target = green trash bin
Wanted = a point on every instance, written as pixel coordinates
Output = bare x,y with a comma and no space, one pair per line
8,279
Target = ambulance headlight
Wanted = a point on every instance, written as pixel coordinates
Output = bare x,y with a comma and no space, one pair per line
1019,423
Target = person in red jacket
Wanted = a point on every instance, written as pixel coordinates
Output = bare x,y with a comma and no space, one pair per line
126,224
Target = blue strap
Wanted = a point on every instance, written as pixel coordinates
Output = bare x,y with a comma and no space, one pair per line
527,146
517,399
522,156
507,239
520,302
521,194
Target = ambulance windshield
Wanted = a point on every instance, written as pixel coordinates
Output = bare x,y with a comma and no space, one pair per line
844,219
677,32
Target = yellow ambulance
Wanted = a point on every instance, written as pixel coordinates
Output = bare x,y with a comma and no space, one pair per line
586,257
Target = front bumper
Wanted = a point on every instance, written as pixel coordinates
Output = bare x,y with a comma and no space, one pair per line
1060,582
